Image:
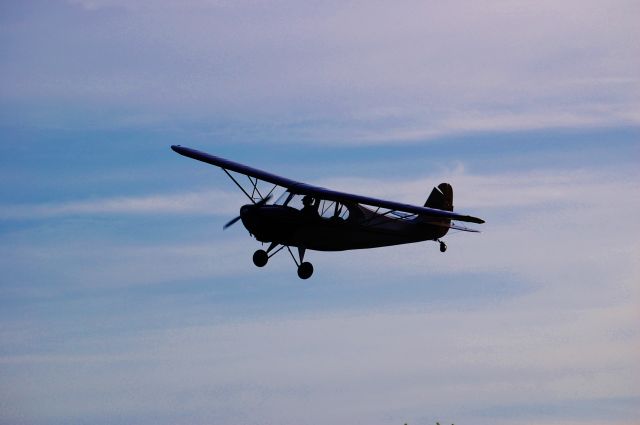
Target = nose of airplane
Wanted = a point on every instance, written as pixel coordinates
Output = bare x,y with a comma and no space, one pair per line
247,214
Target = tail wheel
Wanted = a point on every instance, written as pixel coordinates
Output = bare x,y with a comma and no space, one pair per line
305,270
260,258
443,246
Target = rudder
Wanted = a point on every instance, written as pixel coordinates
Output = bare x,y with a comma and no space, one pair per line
441,197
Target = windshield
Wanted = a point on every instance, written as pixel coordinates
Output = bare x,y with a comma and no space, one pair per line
282,198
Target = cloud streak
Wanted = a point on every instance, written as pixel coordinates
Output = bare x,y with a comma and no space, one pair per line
139,309
353,72
542,188
209,202
262,369
567,344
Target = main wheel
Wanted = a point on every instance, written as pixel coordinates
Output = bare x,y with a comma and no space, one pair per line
305,270
443,247
260,258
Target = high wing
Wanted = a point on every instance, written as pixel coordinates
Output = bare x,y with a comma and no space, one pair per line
320,192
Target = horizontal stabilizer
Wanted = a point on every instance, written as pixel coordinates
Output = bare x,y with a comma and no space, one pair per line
451,225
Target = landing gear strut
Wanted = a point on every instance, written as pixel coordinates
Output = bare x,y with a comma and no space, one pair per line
443,246
261,258
305,269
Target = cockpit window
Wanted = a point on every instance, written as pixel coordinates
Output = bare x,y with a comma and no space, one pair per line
326,209
331,209
291,200
284,198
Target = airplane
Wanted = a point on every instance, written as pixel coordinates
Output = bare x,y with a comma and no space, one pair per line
309,217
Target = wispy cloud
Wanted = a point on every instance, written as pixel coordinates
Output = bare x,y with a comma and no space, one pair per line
243,371
193,203
533,188
139,309
570,340
504,190
353,72
557,213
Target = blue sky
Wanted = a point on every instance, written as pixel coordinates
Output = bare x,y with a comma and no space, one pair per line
122,300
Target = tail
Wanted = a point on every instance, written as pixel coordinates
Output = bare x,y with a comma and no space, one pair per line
441,197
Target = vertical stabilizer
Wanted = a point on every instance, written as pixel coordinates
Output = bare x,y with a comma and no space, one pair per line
441,197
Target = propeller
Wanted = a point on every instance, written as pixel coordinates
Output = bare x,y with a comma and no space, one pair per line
257,204
231,223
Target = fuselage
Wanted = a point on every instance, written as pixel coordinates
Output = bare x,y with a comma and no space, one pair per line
362,229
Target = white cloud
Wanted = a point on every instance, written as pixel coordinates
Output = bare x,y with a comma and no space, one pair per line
559,350
108,264
499,191
378,367
353,72
553,216
571,340
533,188
210,202
559,221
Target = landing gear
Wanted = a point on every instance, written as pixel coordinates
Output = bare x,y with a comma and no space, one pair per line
305,270
443,246
260,258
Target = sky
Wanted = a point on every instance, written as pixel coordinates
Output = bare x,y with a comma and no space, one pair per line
123,301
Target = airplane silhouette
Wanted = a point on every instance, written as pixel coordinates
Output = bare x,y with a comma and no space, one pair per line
309,217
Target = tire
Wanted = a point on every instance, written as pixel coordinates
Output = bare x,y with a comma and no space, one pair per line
260,258
305,270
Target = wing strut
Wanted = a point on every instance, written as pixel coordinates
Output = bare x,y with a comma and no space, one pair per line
254,188
240,186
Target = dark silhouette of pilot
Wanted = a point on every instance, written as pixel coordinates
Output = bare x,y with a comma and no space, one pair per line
310,206
336,214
